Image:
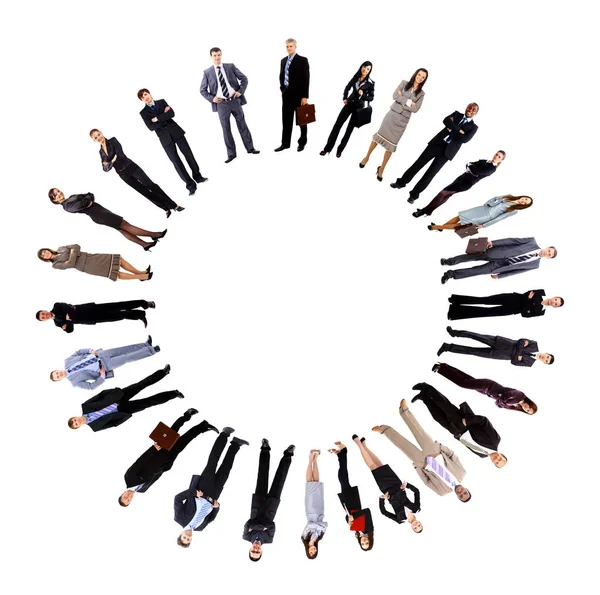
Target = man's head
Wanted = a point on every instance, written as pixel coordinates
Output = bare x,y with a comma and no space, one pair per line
462,493
43,315
185,538
56,196
416,526
471,110
499,157
549,252
498,459
554,302
545,358
126,497
96,135
77,422
144,95
290,46
255,553
215,54
57,375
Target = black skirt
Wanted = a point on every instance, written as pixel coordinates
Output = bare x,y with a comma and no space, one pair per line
463,183
386,479
98,214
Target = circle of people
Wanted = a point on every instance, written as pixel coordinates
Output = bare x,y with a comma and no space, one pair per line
439,468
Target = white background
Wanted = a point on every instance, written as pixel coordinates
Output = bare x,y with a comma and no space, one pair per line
296,297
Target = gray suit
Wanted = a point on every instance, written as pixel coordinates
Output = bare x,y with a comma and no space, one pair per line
497,259
209,89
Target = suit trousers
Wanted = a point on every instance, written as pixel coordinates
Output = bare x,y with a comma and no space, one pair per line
491,351
484,386
212,480
442,410
135,177
346,112
184,147
234,108
141,404
113,311
186,438
433,152
288,114
343,470
262,481
133,389
119,356
460,312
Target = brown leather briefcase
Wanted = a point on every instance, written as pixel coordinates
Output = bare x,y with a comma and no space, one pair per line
164,436
305,114
477,246
464,231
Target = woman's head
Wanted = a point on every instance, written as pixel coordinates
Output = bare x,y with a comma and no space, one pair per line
311,545
528,406
521,202
96,135
418,78
46,254
365,540
499,157
56,196
365,70
416,526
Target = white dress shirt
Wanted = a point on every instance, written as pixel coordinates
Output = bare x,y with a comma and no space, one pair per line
219,88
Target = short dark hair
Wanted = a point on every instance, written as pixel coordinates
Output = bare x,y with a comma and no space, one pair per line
180,543
93,130
51,375
551,359
142,91
503,153
214,51
475,104
70,423
503,456
37,314
562,301
555,252
51,194
254,559
121,501
465,501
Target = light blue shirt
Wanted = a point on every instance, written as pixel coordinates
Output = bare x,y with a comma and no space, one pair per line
203,509
94,415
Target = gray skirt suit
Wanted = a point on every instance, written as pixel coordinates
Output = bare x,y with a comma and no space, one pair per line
314,503
101,265
493,211
395,121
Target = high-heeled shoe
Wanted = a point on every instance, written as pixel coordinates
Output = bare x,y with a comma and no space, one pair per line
323,153
168,212
149,277
430,227
150,245
149,268
162,235
179,209
361,165
379,178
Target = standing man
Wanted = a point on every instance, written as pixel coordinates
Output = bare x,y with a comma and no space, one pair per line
506,257
442,477
260,527
66,315
460,421
458,129
294,80
158,117
198,506
156,460
224,86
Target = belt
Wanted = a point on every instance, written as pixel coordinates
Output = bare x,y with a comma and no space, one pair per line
227,100
209,498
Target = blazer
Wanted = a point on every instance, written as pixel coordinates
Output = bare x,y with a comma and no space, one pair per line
351,93
494,210
511,349
508,247
401,95
77,203
79,314
299,77
84,378
452,463
456,139
185,506
399,501
101,400
482,168
113,146
210,84
480,429
148,468
166,128
533,307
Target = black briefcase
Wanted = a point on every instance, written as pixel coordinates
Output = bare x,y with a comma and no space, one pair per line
363,116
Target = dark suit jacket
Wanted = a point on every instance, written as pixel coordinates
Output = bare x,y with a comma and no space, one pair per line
79,314
167,129
113,146
210,84
60,311
508,247
148,468
533,307
101,400
367,87
456,138
399,501
78,203
482,168
480,428
299,78
185,507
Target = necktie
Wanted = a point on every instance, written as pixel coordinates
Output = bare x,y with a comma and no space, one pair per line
522,258
222,81
153,107
82,365
441,472
286,74
94,415
462,121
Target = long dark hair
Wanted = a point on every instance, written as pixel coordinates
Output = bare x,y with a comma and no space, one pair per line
510,197
412,80
371,537
306,541
39,254
531,404
359,73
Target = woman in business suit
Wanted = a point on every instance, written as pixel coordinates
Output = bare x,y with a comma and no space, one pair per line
494,210
314,505
112,157
408,98
85,203
359,90
359,520
476,171
101,265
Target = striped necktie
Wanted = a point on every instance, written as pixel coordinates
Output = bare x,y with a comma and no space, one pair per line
522,258
286,74
222,81
82,365
462,121
94,415
441,472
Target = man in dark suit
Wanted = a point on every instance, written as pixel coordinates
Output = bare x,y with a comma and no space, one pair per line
198,506
260,527
224,86
506,257
458,129
294,80
156,460
112,407
158,117
523,352
66,315
460,421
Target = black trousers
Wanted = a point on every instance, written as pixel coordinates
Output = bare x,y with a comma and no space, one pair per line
466,306
110,312
262,481
491,351
135,177
128,406
343,470
346,112
212,480
433,152
288,114
187,437
442,410
171,151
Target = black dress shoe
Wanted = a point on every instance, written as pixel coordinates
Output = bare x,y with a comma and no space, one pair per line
156,349
420,386
168,212
281,148
435,368
209,426
443,262
167,369
145,321
442,349
445,277
191,411
397,185
180,395
199,179
230,159
150,245
323,153
411,199
150,304
415,398
149,340
379,178
300,148
419,213
265,445
179,209
239,441
450,331
289,451
149,277
254,152
227,430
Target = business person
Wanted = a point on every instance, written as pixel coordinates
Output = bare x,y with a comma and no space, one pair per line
294,82
475,172
523,352
493,210
314,507
158,116
358,91
198,506
65,316
442,477
506,398
392,488
113,157
88,368
224,86
112,407
99,265
150,465
528,305
458,129
408,98
460,421
359,519
260,527
86,204
505,257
